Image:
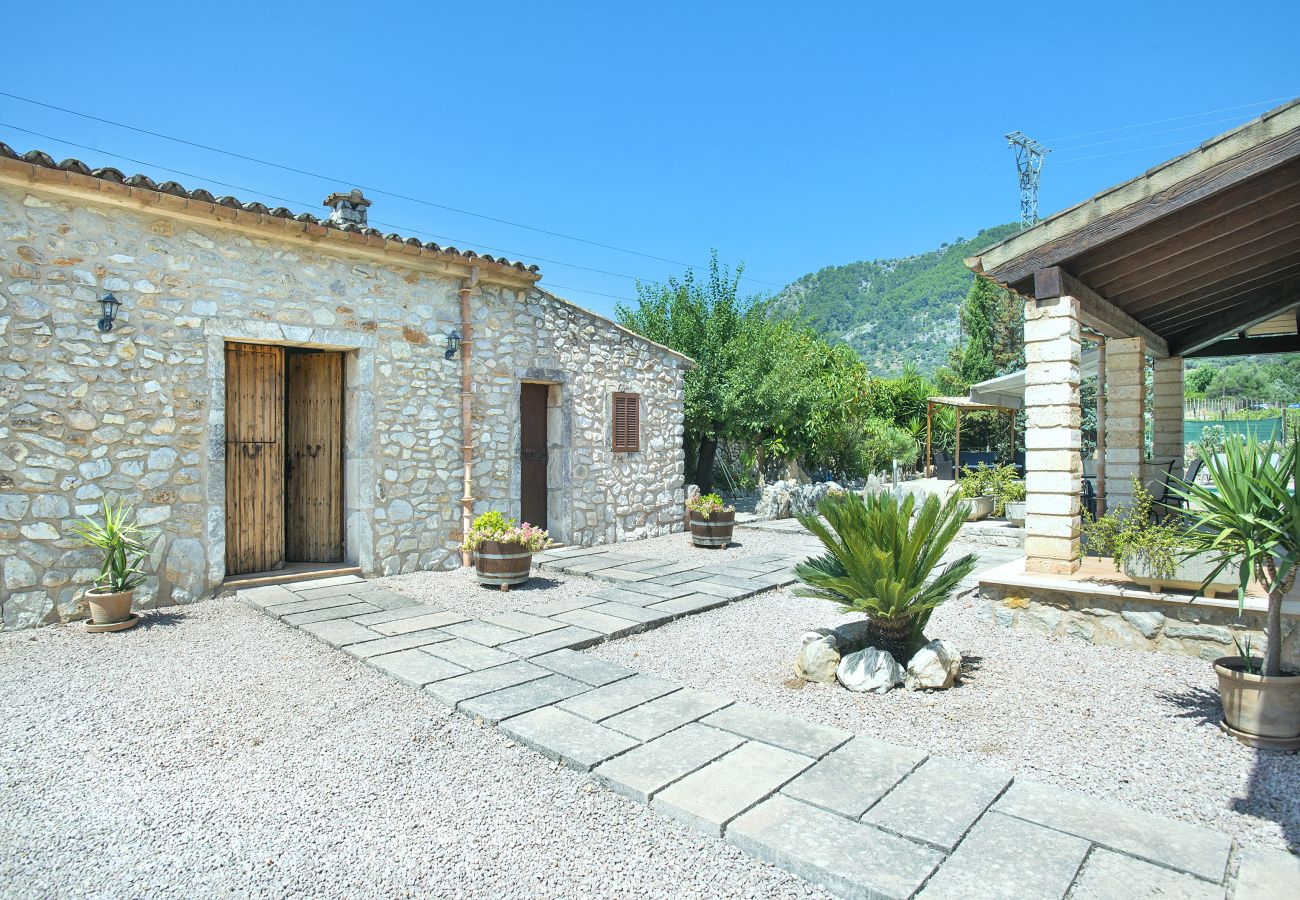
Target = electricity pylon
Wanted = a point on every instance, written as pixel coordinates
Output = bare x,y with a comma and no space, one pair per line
1029,164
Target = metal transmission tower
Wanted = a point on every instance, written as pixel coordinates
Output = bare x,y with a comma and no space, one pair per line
1029,164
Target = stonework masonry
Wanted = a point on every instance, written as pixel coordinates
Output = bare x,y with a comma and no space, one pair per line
138,413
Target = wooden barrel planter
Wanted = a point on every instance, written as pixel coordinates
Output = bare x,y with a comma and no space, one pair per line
502,564
715,531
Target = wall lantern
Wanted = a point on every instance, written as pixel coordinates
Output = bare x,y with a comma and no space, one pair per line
108,305
453,344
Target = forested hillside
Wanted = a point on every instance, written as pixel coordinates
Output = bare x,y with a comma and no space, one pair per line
892,311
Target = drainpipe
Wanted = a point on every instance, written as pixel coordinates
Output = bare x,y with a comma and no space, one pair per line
466,411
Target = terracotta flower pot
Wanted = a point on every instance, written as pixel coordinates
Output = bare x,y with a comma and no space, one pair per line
713,532
502,564
1259,710
108,608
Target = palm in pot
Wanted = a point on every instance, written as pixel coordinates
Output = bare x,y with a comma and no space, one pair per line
124,545
879,561
1251,516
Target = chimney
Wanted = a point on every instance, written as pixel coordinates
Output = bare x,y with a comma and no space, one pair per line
348,209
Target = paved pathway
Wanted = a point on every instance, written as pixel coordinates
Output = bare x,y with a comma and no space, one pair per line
858,816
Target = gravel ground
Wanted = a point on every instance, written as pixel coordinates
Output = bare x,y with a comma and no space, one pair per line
460,591
1140,728
213,752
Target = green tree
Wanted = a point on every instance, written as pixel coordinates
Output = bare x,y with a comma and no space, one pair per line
992,320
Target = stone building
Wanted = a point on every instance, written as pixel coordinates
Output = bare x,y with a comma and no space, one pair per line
271,377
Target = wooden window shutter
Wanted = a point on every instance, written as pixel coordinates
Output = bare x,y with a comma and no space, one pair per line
627,423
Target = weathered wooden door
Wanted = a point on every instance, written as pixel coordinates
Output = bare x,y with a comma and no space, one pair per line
532,449
254,458
314,457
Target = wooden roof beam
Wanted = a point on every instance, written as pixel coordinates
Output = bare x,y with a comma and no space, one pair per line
1264,305
1095,310
1279,343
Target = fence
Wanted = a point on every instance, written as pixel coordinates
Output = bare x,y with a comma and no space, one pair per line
1262,429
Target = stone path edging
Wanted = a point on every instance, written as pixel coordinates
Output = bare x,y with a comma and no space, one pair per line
858,816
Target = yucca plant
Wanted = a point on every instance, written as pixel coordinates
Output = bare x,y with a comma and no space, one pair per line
879,561
124,544
1251,517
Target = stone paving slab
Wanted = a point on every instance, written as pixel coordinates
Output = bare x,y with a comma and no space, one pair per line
455,690
1178,845
555,607
618,697
1267,875
1007,857
339,632
382,645
603,623
419,623
395,615
779,729
484,633
672,579
850,780
847,858
712,796
299,587
386,599
583,667
638,614
625,596
334,590
298,605
643,772
522,698
910,809
567,738
268,595
333,612
571,638
690,604
659,716
1107,875
415,667
468,655
650,588
523,622
724,591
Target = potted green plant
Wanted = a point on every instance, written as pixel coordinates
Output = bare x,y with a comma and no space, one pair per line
879,561
124,545
712,521
988,489
1250,516
503,551
1155,553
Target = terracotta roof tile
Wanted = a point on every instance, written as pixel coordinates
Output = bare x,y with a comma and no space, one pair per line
116,176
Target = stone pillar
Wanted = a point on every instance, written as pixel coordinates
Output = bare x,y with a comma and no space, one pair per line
1053,440
1126,392
1167,409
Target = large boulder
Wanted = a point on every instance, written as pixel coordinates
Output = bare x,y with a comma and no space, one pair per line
869,670
818,659
852,636
774,502
934,667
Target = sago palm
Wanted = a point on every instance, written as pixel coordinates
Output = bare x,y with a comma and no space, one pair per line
879,561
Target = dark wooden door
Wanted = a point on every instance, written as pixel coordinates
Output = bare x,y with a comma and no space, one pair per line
532,450
313,429
254,458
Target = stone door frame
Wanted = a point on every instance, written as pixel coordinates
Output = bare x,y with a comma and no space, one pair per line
559,440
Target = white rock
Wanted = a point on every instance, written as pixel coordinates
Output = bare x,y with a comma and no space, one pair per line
818,660
934,667
870,670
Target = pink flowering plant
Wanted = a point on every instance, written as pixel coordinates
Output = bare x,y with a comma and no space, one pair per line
707,504
492,526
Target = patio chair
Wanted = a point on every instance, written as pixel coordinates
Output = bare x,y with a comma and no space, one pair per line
1162,503
1088,497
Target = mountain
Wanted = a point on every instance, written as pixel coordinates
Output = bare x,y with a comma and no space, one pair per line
892,311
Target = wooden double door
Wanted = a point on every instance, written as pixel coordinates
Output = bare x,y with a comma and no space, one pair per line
284,457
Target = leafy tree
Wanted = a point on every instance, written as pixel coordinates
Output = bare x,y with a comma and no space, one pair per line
992,320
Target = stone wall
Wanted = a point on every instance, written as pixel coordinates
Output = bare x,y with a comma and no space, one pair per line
1168,626
139,412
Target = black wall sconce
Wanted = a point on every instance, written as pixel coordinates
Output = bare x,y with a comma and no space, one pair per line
453,344
108,305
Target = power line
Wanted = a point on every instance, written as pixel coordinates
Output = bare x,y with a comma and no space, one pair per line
371,189
1147,134
1163,121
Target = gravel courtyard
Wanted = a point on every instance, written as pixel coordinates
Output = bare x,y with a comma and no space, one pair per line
1139,728
214,752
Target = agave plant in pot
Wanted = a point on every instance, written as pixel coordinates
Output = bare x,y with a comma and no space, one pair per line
1249,516
880,560
124,545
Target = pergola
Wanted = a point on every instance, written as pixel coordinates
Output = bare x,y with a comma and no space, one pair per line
1199,256
958,404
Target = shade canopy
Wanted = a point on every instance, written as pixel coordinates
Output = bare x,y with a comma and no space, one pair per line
1008,391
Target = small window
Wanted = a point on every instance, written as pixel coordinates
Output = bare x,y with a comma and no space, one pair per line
627,423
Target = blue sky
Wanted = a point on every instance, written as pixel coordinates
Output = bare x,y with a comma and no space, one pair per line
789,137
